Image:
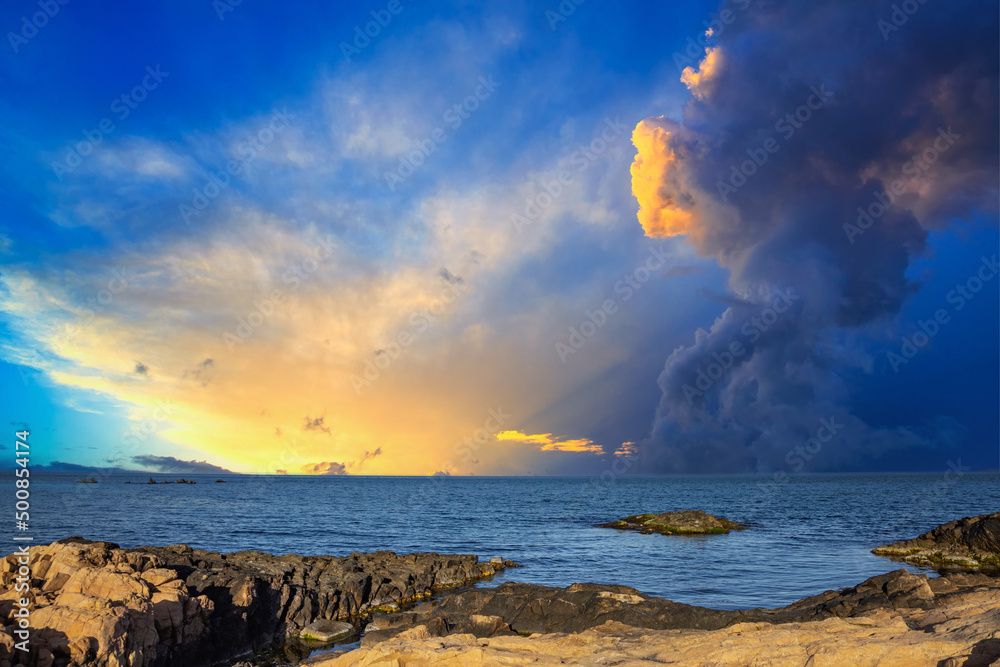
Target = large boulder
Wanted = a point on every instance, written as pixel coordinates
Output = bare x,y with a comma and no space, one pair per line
972,543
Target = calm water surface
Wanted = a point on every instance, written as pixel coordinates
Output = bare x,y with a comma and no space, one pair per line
811,533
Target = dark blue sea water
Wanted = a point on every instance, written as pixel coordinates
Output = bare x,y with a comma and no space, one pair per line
811,533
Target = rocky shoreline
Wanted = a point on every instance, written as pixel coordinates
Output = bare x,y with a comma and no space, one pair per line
99,605
96,604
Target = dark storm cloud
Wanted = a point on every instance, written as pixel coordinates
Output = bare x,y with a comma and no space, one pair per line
201,372
369,455
171,465
773,198
450,277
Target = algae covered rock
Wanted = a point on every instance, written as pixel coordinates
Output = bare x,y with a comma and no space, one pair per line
684,522
972,543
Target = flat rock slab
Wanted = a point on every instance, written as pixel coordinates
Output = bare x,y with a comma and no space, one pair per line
882,639
972,543
684,522
327,631
926,603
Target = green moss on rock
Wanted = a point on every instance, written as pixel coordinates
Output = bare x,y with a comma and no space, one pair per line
685,522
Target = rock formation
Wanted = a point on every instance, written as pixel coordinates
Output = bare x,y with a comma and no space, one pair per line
894,620
972,543
882,639
98,605
685,522
515,608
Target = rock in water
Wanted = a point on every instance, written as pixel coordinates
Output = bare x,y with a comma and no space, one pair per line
972,543
327,631
96,604
685,522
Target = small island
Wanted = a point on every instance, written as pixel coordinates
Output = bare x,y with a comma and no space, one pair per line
684,522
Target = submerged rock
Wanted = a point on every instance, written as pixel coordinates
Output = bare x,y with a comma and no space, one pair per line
96,604
972,543
327,631
684,522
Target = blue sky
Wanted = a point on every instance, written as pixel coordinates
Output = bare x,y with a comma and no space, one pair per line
309,214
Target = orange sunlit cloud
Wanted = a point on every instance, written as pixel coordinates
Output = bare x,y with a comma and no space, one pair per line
628,450
665,209
698,80
549,443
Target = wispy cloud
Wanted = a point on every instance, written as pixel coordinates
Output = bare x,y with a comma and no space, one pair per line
547,442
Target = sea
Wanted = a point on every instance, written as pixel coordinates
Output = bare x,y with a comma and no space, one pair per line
808,533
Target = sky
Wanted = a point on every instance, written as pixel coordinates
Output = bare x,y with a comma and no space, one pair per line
524,238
